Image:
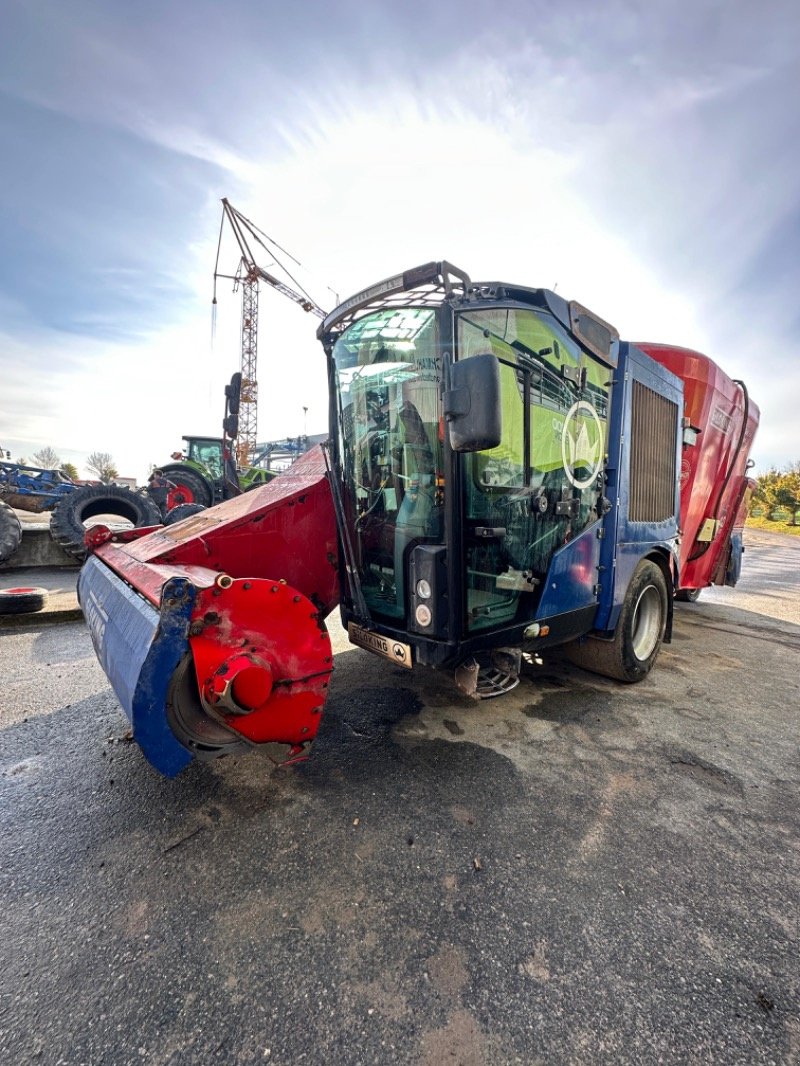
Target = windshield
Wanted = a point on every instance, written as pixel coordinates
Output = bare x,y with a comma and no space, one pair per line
388,373
207,453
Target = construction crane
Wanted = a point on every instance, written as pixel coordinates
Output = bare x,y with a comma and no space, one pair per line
247,276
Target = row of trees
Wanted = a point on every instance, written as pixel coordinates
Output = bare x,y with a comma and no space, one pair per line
778,490
100,464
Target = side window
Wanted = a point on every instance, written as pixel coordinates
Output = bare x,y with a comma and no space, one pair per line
539,487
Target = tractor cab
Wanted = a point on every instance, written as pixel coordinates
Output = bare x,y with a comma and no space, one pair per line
207,453
469,429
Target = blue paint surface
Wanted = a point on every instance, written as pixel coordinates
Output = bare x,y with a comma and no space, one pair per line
626,543
139,650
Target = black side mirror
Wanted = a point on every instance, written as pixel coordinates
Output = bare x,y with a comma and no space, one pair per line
233,393
230,426
472,404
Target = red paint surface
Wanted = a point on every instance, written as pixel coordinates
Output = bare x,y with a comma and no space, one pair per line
715,405
278,632
285,529
278,543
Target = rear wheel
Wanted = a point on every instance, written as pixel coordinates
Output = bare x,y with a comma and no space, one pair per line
67,522
688,595
630,655
10,532
187,486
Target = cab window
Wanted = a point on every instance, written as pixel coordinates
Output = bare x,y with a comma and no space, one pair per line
540,486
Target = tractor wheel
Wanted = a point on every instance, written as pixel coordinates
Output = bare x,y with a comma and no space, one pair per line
190,487
183,510
68,520
10,532
634,648
688,595
22,600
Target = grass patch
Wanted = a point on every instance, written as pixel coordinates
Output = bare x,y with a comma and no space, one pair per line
772,527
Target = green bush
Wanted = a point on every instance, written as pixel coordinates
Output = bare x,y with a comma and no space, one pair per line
777,493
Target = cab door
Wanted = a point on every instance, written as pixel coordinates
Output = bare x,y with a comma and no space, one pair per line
538,492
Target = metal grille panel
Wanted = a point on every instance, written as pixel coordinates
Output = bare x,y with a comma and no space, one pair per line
654,428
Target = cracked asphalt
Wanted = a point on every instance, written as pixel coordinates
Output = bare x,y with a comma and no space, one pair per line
577,872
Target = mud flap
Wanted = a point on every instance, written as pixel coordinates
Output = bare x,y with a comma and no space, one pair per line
733,565
139,650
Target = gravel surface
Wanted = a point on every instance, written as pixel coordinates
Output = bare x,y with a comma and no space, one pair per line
577,872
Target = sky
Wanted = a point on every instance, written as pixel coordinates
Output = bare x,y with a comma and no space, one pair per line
641,156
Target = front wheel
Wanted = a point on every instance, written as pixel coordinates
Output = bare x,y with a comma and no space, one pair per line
630,655
183,510
688,595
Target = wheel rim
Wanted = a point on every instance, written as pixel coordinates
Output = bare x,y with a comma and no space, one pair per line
190,722
180,494
646,623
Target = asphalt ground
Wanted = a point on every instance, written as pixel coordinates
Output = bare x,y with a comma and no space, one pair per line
577,872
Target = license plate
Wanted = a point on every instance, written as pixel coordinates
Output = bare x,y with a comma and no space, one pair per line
389,649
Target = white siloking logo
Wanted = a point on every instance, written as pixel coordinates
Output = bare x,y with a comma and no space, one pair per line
582,443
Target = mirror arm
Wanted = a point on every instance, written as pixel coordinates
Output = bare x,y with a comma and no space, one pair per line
457,403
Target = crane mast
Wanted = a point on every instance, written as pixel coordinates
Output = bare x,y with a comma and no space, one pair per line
248,403
248,276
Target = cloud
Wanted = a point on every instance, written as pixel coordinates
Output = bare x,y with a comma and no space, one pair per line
642,157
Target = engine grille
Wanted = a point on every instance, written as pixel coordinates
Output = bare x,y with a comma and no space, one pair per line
654,428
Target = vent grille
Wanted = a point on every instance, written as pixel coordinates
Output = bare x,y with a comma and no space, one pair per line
654,428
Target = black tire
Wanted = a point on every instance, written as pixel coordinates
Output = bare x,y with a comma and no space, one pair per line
183,510
640,630
67,520
197,488
688,595
10,532
22,600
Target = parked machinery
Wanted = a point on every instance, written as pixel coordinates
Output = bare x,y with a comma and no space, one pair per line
31,488
205,473
503,475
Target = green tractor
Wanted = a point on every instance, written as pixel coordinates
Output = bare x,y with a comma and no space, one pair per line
205,473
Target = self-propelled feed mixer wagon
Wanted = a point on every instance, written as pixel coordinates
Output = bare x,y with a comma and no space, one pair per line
503,474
